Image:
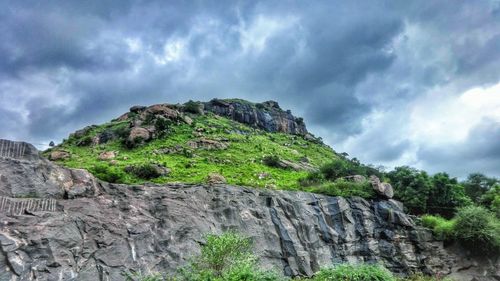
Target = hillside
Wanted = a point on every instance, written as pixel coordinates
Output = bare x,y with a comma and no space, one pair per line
248,144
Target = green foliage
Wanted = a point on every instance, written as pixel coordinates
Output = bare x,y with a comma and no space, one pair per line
144,171
345,188
338,168
477,227
421,193
491,199
84,141
226,257
271,161
193,107
477,185
348,272
108,173
442,228
162,126
241,161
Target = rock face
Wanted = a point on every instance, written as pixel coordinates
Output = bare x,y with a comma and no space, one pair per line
61,224
267,116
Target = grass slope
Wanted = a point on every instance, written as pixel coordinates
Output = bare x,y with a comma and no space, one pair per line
241,163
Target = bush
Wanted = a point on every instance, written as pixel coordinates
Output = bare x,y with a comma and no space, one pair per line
442,228
477,227
344,188
193,107
145,171
271,161
361,272
225,257
108,173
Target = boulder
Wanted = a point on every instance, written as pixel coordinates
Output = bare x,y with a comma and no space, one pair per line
383,189
214,178
207,144
139,133
137,108
107,155
356,178
59,155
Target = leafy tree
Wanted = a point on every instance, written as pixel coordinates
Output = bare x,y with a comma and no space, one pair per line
491,199
477,185
446,195
412,187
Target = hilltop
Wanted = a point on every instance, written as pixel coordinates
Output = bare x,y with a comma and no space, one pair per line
230,140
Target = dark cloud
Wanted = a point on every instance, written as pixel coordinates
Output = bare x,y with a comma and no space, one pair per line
68,64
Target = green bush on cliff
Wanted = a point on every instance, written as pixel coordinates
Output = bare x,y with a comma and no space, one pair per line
442,228
348,272
477,227
225,257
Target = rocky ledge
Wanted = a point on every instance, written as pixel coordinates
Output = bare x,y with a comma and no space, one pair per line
61,224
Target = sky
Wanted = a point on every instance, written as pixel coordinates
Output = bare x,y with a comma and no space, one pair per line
389,82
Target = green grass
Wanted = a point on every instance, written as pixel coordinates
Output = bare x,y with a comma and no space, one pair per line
442,228
241,163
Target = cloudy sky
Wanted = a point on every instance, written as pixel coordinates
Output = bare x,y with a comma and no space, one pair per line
390,82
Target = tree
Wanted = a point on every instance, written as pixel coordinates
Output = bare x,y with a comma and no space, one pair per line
478,184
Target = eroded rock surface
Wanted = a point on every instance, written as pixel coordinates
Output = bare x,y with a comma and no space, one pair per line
77,228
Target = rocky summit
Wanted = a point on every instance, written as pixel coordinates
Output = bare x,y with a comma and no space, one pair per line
63,224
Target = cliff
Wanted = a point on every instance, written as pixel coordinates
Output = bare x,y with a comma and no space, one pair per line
62,224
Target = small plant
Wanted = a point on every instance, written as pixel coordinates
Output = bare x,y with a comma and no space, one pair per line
361,272
271,161
225,257
193,107
84,141
108,173
145,171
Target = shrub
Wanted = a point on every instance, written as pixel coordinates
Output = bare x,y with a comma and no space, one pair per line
193,107
145,171
477,227
442,228
225,257
85,141
361,272
312,178
108,173
271,161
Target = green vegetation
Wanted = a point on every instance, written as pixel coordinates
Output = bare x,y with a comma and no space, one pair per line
348,272
424,194
477,227
442,228
473,226
241,163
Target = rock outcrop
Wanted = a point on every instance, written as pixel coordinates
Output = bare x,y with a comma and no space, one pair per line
67,226
267,116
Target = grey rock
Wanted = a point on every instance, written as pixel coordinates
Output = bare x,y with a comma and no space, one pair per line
268,116
383,189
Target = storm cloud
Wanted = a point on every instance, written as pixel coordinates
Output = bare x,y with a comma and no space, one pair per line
389,82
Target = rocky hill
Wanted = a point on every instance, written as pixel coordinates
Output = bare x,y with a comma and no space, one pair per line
63,224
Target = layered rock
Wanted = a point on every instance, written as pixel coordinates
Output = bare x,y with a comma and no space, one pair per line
68,226
267,116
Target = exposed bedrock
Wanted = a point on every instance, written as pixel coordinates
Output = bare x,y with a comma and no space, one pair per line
68,226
